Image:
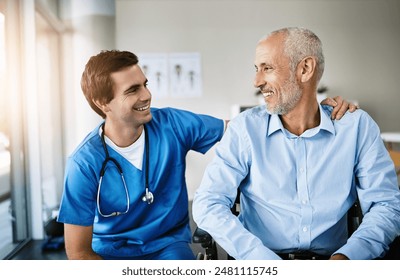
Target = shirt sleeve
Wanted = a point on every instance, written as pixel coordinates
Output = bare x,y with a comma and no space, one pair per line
379,196
197,132
216,195
79,197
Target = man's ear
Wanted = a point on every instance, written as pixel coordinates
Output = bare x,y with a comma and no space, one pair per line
103,107
307,68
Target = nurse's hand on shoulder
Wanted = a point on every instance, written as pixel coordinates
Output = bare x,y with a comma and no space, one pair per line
340,106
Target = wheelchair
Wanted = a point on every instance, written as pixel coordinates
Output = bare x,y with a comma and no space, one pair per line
207,242
354,219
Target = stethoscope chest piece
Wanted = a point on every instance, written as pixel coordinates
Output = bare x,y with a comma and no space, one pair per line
148,197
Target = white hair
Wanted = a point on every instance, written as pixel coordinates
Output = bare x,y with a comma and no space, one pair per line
300,43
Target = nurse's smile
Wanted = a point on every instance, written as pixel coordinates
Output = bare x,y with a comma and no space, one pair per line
144,108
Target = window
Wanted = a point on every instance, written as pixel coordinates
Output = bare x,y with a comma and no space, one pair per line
13,201
5,159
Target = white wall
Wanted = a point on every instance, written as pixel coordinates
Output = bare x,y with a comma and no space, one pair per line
361,40
91,28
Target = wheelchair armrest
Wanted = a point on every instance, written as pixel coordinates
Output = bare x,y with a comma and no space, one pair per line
201,236
207,242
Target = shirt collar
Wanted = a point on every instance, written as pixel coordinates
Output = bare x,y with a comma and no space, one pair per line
275,124
326,124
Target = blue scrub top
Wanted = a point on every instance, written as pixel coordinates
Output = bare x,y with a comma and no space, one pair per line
146,228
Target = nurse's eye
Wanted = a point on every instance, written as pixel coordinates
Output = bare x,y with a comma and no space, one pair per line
131,90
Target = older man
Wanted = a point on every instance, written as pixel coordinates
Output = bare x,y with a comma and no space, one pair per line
298,171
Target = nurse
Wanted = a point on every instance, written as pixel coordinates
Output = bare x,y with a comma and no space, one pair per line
125,194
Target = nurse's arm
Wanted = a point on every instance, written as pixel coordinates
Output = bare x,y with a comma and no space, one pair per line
78,242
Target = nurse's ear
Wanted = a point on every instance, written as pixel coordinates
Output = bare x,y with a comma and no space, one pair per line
103,107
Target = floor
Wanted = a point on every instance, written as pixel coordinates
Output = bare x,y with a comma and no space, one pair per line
34,251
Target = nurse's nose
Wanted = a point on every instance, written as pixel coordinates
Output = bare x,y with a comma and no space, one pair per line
146,94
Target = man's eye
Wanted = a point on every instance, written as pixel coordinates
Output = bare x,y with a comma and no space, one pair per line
264,69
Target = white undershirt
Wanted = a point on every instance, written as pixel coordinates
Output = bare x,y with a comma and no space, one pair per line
133,153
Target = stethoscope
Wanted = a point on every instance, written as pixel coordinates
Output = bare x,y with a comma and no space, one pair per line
147,197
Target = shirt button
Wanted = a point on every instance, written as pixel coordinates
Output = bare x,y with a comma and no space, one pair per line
304,229
301,169
304,201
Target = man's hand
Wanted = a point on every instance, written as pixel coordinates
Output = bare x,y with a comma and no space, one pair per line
338,257
340,106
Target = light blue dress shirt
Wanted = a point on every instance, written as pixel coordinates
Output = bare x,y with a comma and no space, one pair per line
296,190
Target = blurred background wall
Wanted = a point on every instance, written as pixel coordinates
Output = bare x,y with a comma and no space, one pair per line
361,40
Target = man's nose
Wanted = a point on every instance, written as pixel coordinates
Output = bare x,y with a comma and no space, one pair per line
258,80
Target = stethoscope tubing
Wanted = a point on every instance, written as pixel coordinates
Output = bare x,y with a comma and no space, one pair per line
115,213
148,196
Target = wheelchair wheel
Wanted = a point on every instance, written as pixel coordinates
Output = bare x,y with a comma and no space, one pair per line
200,256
